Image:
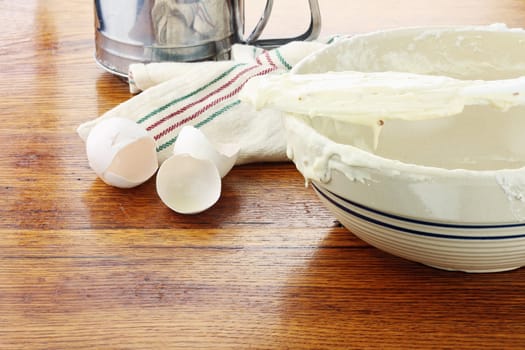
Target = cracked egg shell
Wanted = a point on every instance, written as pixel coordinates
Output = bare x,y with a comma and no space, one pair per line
192,141
188,185
121,152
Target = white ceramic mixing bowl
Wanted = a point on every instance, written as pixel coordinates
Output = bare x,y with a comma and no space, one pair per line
447,192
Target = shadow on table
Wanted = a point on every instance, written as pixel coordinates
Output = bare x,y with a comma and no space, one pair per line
140,207
358,293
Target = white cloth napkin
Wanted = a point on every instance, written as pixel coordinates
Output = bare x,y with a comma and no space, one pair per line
205,95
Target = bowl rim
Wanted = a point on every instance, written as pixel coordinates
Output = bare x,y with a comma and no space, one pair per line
339,41
394,164
397,165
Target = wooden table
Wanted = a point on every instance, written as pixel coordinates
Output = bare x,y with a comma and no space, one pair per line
84,265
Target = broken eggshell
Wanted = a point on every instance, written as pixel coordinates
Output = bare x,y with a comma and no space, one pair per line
189,181
192,141
188,185
121,152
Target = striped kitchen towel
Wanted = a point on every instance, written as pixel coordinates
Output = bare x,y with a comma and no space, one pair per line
205,95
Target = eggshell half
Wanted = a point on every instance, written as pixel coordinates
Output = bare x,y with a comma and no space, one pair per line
121,152
192,141
188,185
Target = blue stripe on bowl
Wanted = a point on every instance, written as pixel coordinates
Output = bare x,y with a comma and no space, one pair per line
416,232
420,222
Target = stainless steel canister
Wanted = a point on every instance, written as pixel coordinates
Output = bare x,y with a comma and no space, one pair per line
131,31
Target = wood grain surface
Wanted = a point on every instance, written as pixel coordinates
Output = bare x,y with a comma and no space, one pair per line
87,266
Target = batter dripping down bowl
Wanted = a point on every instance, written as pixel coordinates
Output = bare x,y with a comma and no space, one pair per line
413,138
